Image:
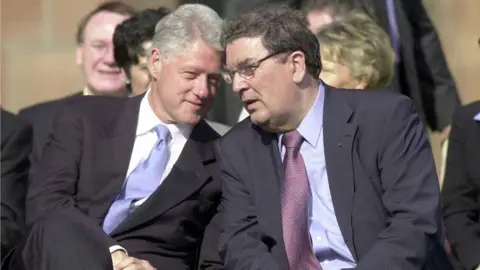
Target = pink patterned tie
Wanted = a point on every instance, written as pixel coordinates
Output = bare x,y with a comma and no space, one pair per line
295,191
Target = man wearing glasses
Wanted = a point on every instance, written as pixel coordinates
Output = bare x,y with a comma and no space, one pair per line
319,177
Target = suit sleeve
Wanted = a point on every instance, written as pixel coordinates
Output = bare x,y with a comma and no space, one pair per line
240,246
15,165
209,258
410,193
433,72
54,177
460,198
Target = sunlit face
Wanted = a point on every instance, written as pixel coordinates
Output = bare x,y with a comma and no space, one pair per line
318,19
139,73
95,55
338,75
185,84
269,95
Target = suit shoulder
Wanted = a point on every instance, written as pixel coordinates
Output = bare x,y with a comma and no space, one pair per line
239,134
206,131
41,108
373,100
97,107
95,102
11,123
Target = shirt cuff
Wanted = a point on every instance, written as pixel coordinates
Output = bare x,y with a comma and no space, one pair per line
116,248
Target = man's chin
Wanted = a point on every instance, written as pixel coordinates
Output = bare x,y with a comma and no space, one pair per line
258,120
192,119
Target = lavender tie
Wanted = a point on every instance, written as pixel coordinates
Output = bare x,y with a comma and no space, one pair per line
142,181
295,192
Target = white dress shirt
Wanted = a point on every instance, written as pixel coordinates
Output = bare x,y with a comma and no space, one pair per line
145,139
243,114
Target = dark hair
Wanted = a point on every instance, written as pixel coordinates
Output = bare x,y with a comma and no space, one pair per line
281,29
339,7
132,33
111,6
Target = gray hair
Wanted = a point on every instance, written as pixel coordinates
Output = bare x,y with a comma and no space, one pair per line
185,25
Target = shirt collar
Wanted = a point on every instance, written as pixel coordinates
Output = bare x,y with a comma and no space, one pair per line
311,126
477,117
148,120
87,91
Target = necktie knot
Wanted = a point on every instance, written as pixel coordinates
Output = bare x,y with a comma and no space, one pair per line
163,133
292,139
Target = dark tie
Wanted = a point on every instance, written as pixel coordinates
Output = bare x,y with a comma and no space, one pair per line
295,192
142,182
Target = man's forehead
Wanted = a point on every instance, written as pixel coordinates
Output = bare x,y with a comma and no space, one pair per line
103,24
243,49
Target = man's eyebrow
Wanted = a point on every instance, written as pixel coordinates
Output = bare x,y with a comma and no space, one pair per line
244,62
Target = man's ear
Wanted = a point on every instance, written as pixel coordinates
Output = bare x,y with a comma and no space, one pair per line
298,65
79,55
155,63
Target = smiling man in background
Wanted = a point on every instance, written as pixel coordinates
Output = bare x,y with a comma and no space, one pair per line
94,56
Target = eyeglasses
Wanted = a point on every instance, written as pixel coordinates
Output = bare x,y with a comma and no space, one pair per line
248,71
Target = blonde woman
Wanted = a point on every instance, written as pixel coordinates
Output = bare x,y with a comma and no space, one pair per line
356,53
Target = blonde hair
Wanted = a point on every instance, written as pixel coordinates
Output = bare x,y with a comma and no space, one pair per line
357,42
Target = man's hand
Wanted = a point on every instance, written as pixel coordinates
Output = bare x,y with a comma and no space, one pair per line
131,263
118,256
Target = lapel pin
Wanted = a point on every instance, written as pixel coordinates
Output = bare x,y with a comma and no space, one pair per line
339,144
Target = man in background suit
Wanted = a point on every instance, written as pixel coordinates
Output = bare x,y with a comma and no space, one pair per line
461,190
95,57
421,69
357,188
133,182
16,145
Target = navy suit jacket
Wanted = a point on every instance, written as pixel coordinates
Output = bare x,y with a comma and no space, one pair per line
382,179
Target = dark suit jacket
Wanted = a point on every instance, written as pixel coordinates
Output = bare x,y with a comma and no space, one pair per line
16,145
423,72
461,188
41,118
382,179
84,166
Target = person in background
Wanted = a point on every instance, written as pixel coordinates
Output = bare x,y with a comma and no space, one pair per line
94,56
421,71
132,40
461,187
355,52
16,146
133,182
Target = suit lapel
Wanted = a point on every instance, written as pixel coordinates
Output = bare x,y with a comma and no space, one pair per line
339,133
187,176
113,152
268,175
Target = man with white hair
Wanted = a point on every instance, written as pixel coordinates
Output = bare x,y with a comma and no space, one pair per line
133,183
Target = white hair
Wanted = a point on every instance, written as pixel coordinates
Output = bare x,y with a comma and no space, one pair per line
185,25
